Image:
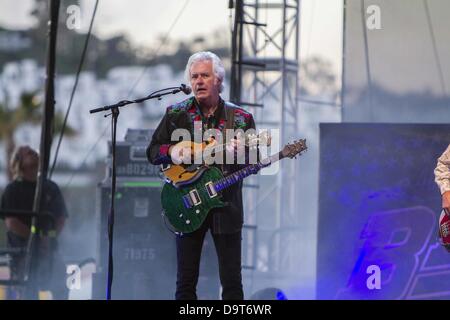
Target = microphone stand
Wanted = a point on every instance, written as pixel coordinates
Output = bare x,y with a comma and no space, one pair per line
114,116
154,95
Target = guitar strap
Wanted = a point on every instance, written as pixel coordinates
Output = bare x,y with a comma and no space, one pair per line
229,125
230,116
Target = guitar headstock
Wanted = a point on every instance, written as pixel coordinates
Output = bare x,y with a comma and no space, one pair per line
291,150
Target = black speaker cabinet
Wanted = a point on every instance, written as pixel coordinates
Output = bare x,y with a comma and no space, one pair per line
144,250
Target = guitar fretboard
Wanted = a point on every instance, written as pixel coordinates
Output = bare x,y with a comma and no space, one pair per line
245,172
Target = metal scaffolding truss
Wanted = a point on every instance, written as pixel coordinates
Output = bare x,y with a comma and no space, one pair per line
264,80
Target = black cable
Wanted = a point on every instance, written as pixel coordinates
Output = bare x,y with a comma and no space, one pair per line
131,90
435,51
80,66
344,60
159,48
310,29
367,58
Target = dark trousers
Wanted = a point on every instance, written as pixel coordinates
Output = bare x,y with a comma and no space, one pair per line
228,249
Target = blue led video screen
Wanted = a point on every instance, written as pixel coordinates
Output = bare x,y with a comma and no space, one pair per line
378,212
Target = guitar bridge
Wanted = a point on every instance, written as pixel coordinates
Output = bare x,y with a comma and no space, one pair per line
187,201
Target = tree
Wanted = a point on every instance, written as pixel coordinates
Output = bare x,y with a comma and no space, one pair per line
28,111
317,77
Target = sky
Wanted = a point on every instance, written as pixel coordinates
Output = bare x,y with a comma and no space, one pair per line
146,20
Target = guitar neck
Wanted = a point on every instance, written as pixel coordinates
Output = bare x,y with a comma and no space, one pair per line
198,157
245,172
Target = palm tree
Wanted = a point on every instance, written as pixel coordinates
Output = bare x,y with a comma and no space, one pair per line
28,111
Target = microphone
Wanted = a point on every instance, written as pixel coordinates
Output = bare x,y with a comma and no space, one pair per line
186,89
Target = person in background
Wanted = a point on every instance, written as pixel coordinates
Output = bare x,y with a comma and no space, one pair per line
442,178
50,273
205,73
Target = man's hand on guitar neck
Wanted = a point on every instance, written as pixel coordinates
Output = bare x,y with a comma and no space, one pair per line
446,202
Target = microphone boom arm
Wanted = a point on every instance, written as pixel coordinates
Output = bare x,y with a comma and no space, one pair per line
154,95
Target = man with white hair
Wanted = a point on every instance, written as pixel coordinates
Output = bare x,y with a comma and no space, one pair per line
206,109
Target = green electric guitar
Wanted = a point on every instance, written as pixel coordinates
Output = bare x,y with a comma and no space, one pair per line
187,206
